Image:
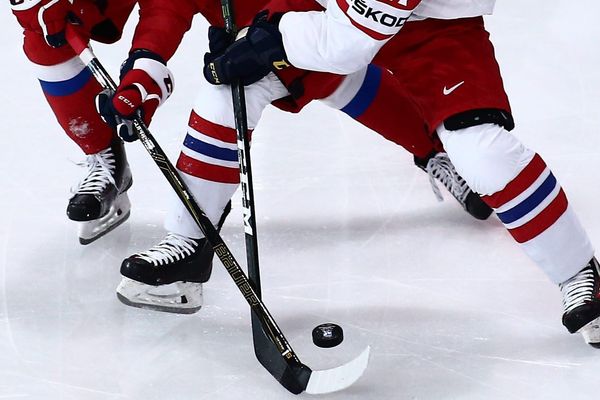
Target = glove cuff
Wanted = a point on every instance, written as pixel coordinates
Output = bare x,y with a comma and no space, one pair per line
155,67
24,5
275,18
266,39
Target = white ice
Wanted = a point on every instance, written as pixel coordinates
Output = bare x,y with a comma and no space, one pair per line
349,232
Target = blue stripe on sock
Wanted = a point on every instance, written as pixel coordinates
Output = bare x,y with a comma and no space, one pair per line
210,150
531,202
68,87
366,94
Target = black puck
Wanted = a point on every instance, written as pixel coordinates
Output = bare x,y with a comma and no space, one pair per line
327,335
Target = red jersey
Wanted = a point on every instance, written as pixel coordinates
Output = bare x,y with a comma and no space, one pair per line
164,22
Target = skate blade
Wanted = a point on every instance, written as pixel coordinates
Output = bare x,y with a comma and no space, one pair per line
178,297
90,231
591,333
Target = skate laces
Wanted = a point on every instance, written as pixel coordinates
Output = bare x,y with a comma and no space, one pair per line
172,248
578,290
101,168
440,168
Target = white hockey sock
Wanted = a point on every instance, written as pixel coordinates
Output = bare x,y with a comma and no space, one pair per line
525,195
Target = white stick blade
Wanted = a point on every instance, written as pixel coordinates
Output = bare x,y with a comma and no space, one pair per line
339,378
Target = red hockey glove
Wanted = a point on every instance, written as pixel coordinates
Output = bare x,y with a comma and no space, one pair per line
48,17
52,17
146,83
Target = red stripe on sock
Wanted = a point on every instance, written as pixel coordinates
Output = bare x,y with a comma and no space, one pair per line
211,129
209,172
219,132
522,182
543,220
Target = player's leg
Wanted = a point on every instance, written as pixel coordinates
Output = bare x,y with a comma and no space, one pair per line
169,276
531,204
99,201
472,118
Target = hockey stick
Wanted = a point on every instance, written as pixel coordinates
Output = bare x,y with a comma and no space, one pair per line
294,378
264,349
289,371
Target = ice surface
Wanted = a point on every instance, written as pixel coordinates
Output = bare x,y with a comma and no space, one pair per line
349,232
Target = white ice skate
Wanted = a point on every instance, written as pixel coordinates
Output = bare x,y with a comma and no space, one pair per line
581,300
168,277
178,297
100,202
117,214
440,168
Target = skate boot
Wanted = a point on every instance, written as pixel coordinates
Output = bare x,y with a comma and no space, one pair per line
439,167
100,201
169,276
581,300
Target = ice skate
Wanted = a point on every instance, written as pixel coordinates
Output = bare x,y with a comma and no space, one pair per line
178,297
440,168
581,300
100,202
168,277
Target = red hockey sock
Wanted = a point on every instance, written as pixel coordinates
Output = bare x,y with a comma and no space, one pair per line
76,113
381,105
70,90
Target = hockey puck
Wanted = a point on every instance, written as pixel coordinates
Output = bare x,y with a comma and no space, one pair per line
327,335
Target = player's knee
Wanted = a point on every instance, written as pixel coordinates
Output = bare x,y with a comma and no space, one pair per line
487,155
480,116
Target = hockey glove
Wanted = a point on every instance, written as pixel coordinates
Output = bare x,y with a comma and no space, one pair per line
48,17
257,51
218,41
146,83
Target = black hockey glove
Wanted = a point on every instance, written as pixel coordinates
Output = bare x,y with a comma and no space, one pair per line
218,41
122,126
251,57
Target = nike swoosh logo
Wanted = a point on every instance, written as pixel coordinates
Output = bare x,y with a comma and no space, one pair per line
452,89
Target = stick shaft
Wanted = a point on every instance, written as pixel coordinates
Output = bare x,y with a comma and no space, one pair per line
172,175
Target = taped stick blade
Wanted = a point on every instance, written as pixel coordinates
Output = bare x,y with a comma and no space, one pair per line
339,378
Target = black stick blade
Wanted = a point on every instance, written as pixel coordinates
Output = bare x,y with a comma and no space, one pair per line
293,376
297,377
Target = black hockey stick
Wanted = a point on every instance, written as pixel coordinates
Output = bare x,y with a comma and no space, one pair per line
292,374
286,369
295,377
